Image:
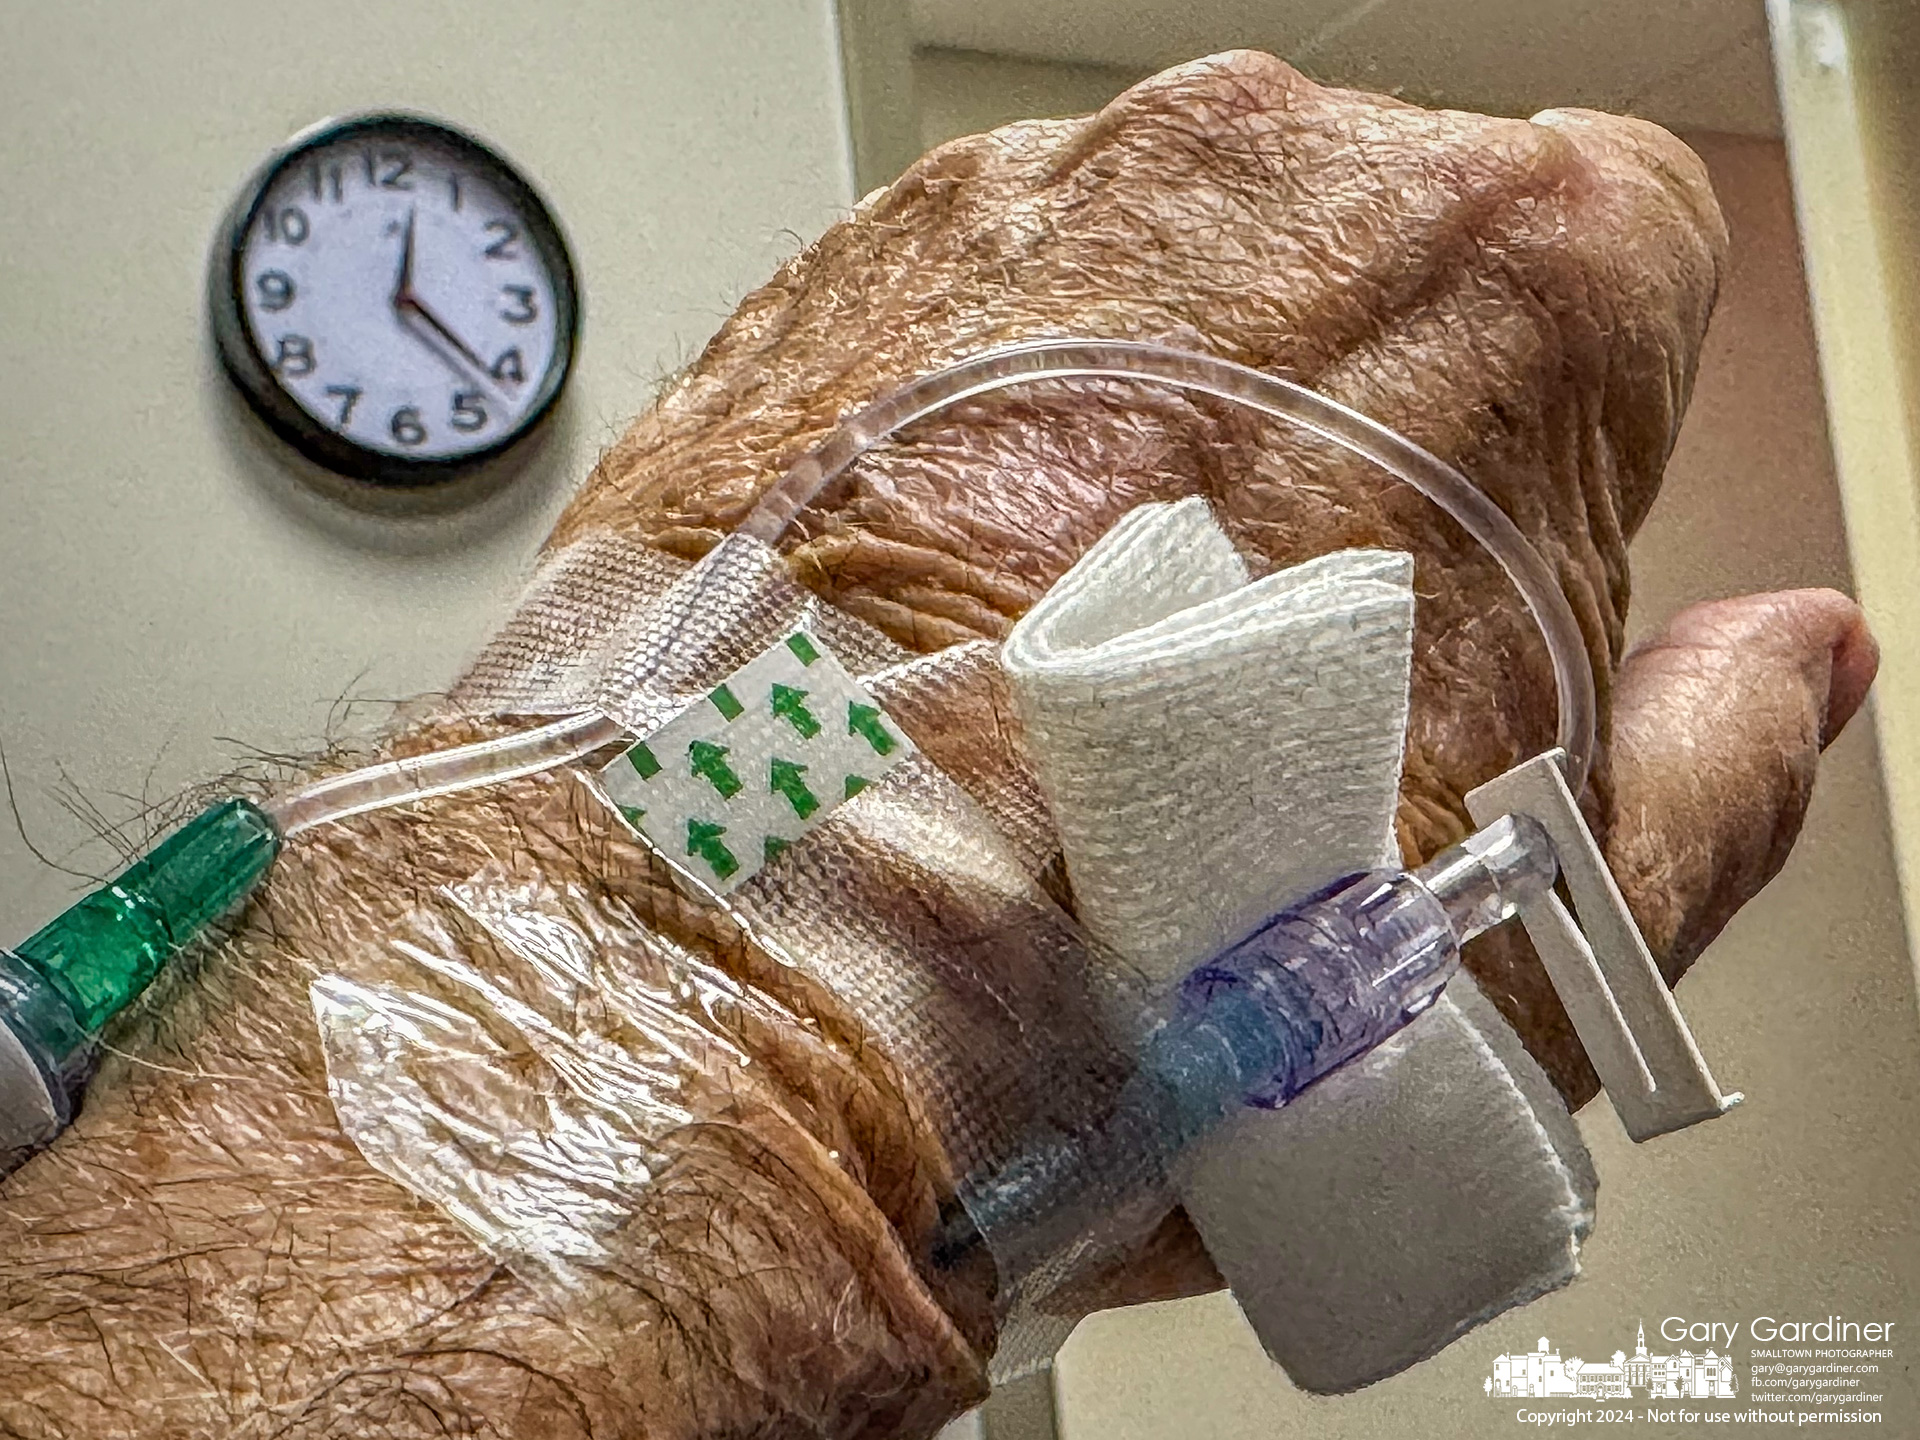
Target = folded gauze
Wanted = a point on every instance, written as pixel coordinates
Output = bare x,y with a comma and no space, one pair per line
1213,749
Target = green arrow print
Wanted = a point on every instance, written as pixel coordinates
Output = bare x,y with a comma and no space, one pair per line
864,721
709,763
791,706
703,840
785,777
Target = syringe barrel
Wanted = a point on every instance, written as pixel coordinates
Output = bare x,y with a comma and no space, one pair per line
62,986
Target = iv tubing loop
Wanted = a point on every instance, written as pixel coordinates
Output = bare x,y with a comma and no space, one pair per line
1426,472
528,752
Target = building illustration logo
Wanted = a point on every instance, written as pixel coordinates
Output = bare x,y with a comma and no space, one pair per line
1543,1374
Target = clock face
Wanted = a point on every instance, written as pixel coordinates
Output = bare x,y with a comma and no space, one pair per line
394,300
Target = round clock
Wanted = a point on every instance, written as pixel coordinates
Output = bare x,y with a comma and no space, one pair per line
393,299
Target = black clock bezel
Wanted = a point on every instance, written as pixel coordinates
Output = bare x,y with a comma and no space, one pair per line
252,373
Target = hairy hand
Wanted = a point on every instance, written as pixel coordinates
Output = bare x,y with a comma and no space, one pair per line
205,1253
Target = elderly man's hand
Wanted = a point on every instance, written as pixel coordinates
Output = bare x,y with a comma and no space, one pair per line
206,1254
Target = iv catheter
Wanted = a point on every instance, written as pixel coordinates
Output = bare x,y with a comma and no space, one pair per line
1326,981
1313,988
493,762
65,983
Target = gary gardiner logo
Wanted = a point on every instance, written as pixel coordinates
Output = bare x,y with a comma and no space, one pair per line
1542,1373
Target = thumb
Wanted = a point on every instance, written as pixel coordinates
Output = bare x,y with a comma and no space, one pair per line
1718,725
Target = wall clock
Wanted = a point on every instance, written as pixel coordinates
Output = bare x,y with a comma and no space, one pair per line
393,299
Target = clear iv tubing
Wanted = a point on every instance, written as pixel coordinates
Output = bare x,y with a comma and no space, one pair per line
68,980
528,752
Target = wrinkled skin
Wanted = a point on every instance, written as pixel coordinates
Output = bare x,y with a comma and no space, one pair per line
205,1254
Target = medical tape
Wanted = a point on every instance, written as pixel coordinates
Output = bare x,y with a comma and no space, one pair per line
919,902
737,778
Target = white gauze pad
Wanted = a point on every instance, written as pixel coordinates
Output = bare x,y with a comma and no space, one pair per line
1213,750
1208,744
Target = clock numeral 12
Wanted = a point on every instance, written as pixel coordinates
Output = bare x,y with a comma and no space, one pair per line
389,170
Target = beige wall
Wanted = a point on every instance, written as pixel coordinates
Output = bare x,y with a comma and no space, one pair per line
1688,64
1850,95
1887,38
962,92
167,575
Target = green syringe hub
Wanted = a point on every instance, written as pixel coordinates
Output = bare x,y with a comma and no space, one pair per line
102,952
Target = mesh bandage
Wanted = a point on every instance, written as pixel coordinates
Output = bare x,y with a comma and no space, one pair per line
1214,750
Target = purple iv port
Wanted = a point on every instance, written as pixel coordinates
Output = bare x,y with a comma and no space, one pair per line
1323,982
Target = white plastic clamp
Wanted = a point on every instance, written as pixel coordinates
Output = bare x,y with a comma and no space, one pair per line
1615,995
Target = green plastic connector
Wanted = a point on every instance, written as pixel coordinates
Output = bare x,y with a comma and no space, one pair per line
101,953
